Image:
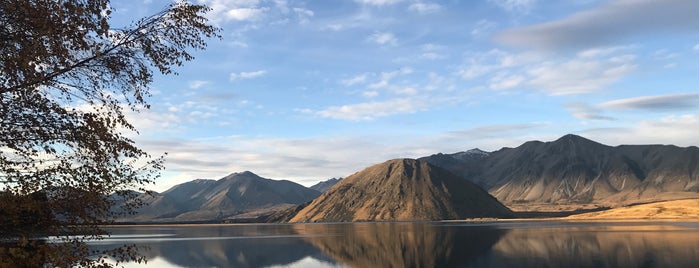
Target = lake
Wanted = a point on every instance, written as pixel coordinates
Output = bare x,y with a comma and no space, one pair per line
416,244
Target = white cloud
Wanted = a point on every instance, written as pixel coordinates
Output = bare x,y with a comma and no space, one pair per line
370,94
480,64
196,84
678,130
378,2
359,79
303,14
387,76
587,71
383,39
424,7
247,75
244,13
372,110
149,119
385,79
696,47
505,81
610,23
577,76
405,97
255,12
519,6
201,115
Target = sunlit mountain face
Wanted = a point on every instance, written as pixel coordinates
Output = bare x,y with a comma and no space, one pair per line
402,190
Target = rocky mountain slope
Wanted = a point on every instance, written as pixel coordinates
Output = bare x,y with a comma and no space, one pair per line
234,195
401,189
575,170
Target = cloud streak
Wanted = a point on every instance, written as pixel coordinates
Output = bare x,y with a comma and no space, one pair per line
585,72
247,75
610,23
383,39
425,7
662,102
372,110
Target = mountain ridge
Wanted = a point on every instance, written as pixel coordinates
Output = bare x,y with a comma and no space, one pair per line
235,194
576,170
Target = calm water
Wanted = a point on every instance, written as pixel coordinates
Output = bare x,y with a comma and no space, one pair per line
500,244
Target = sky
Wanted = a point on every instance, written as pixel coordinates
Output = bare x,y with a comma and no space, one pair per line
310,90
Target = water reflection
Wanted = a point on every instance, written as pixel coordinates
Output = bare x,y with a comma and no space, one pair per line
622,245
499,244
401,244
218,246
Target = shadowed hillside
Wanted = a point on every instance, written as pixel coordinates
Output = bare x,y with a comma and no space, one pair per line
325,185
575,170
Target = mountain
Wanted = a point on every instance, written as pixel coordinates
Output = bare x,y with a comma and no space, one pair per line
401,189
232,196
325,185
576,170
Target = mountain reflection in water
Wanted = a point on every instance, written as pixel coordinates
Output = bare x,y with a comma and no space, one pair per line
401,244
217,246
623,245
497,244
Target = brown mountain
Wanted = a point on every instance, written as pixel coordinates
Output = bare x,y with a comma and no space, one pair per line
401,189
575,170
234,195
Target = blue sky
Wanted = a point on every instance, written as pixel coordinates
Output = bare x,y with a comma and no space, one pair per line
309,90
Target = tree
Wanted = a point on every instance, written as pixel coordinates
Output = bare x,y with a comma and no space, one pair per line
67,78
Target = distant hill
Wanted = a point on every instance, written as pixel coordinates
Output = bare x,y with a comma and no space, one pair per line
234,195
401,189
325,185
575,170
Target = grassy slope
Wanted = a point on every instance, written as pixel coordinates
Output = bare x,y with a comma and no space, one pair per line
677,209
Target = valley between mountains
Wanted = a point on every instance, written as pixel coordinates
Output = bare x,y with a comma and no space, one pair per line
564,177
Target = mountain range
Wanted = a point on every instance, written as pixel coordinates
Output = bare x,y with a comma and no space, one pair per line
569,173
238,195
575,170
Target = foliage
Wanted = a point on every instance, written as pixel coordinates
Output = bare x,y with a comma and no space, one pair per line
67,80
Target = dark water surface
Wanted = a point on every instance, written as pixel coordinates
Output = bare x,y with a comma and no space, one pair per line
442,244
